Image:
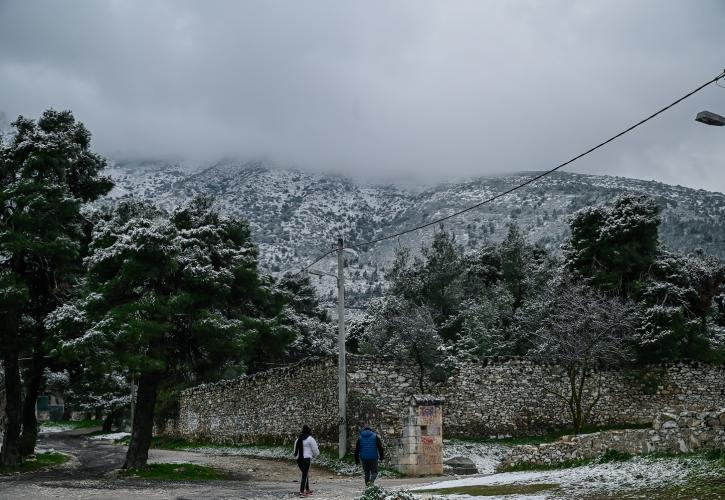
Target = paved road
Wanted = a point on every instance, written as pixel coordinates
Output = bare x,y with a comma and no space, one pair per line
92,473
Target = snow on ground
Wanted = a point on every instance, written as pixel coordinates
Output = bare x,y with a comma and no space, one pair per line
608,478
277,453
55,427
111,436
486,456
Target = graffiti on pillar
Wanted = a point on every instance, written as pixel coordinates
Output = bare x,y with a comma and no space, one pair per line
429,451
427,415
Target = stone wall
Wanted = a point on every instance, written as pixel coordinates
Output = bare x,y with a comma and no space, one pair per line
513,397
482,399
685,432
268,407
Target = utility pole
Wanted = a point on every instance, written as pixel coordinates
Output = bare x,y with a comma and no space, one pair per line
341,358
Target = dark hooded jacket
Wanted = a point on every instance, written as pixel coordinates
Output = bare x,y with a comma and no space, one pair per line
369,446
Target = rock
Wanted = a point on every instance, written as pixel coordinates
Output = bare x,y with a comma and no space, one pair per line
722,419
461,466
682,446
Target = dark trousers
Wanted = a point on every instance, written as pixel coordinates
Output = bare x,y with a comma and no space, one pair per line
370,469
304,465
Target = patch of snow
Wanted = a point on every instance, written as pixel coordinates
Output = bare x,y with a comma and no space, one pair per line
279,453
608,478
51,428
111,436
486,456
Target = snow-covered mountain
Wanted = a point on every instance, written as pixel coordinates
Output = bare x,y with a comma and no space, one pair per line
296,216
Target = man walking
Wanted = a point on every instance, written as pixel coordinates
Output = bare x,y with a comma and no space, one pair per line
369,449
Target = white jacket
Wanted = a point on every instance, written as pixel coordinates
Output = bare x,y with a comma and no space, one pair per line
309,447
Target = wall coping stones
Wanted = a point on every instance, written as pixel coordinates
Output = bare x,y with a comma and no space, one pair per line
426,400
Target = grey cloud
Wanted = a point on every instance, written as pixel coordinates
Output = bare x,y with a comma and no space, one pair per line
410,88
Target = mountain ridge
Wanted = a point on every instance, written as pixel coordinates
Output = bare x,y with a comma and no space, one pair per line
295,216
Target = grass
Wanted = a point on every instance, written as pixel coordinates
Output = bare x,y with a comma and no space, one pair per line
176,472
377,493
490,490
40,461
716,459
710,489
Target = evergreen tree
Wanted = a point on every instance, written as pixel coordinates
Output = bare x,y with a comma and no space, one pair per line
406,332
441,267
315,334
172,295
46,172
488,324
514,264
677,298
613,247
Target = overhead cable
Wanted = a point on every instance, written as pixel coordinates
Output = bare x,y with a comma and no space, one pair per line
527,182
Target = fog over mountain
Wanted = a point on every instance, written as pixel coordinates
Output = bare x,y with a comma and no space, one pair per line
296,216
415,90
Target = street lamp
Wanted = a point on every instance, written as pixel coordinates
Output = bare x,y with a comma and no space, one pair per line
710,118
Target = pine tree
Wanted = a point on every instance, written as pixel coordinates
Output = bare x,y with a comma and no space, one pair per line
315,334
46,172
406,332
677,298
613,247
170,295
514,263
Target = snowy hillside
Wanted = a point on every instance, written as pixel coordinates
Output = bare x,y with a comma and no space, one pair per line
295,216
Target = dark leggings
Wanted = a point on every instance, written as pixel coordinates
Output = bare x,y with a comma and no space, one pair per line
304,465
370,469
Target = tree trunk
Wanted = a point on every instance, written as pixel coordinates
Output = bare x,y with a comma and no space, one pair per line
143,421
108,421
421,370
10,453
574,400
30,423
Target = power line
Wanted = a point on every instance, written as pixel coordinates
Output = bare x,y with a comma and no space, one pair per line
315,262
543,174
526,183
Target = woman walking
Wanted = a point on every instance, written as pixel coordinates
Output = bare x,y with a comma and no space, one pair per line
305,449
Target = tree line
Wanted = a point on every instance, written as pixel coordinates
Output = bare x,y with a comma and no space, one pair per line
614,295
94,300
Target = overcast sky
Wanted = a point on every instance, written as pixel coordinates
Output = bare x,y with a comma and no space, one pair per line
434,90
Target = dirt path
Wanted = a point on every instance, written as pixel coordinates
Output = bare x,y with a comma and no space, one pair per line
92,474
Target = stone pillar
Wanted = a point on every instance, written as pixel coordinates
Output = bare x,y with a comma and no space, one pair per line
419,452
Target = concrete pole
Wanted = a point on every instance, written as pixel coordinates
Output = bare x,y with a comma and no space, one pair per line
341,360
